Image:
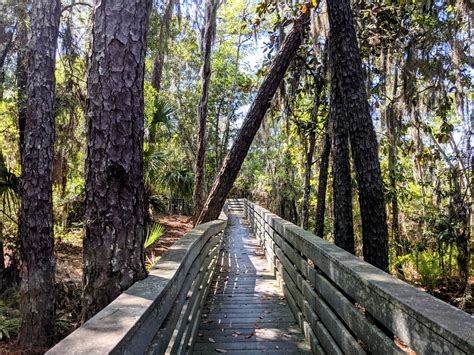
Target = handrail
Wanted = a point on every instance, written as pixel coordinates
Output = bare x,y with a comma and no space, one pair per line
160,313
345,305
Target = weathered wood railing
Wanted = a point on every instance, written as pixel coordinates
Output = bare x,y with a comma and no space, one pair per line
159,314
345,305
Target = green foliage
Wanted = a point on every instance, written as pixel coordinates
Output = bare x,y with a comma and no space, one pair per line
9,321
177,182
155,231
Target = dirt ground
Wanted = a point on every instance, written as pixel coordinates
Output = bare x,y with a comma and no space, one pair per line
69,279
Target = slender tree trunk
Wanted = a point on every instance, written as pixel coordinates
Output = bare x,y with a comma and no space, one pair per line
114,236
322,183
463,244
234,159
217,148
208,39
392,132
36,217
308,166
341,167
162,47
21,78
347,68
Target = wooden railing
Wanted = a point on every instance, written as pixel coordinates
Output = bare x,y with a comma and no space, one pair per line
159,314
345,305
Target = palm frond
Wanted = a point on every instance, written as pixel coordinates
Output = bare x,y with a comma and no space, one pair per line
155,231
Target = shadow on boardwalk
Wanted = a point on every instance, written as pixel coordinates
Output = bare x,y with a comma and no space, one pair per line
245,312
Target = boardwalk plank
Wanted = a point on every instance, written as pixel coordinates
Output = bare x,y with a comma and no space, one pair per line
246,311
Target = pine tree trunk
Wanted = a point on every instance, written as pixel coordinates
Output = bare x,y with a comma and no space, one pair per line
208,39
162,47
114,229
347,68
341,167
21,77
234,159
36,215
392,133
322,184
308,166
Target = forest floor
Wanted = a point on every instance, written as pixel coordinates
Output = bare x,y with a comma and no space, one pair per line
69,284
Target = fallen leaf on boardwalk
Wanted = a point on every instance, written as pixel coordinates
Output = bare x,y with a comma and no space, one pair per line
200,335
260,317
249,336
212,340
277,347
221,350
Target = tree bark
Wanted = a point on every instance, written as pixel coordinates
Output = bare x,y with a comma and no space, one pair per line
322,183
309,154
36,215
208,39
162,48
22,77
114,226
347,68
341,167
234,159
392,116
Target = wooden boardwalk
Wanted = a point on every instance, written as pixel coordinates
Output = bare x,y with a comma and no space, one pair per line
245,312
214,292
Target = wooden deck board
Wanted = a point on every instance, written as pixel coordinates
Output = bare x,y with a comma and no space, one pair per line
245,311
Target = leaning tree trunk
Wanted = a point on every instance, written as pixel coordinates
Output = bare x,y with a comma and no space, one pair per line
114,228
234,159
36,216
347,68
208,39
